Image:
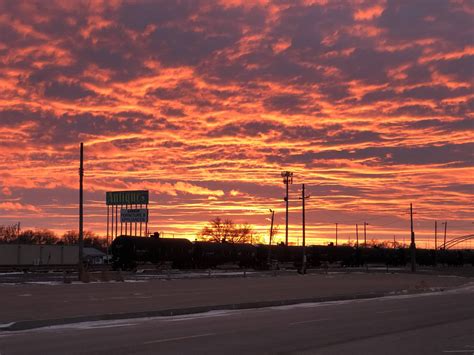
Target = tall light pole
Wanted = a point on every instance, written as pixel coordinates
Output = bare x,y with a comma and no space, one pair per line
412,244
271,226
287,180
436,241
336,233
365,234
445,228
81,214
271,236
303,198
357,236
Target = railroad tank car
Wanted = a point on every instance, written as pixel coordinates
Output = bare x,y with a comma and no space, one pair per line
210,254
128,252
292,255
341,255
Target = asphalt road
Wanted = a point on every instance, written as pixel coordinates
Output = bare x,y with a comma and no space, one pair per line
434,323
43,301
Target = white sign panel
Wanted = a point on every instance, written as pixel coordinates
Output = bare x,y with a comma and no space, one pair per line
133,215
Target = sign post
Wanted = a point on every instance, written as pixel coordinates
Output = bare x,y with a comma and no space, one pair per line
132,212
135,215
127,198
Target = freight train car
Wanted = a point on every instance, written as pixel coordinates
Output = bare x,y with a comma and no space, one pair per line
128,252
209,254
25,256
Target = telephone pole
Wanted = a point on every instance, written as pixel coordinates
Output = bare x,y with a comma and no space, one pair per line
271,235
303,198
81,214
357,236
445,228
336,233
271,225
412,244
436,241
365,234
287,180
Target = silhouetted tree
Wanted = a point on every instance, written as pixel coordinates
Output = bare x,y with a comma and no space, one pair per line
8,233
374,243
38,236
219,230
71,237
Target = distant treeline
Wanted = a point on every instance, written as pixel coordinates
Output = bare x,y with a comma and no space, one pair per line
10,234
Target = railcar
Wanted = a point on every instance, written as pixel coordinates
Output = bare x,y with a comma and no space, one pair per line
128,252
209,254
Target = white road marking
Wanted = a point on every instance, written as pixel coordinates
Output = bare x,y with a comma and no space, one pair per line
179,338
310,321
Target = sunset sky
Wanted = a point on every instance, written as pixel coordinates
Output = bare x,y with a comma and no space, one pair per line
204,103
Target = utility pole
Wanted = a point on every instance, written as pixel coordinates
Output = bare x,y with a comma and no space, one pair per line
271,226
81,215
445,228
336,233
394,242
357,236
287,180
436,241
365,234
412,244
271,236
108,217
303,198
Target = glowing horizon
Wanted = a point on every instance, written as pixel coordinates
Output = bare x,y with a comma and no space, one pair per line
204,103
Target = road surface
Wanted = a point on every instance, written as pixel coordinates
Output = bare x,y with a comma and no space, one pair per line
436,323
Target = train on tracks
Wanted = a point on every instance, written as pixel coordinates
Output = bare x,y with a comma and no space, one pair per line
25,257
130,252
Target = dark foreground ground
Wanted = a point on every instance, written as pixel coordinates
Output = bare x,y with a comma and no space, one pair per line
430,323
53,301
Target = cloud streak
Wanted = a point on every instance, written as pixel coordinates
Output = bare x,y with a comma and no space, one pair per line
370,103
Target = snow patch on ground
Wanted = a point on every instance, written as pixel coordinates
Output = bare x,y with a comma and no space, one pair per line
210,314
122,322
315,304
5,325
134,281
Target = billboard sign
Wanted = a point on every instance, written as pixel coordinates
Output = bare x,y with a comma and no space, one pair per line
127,198
135,215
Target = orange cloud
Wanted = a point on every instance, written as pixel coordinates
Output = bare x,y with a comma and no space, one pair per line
196,102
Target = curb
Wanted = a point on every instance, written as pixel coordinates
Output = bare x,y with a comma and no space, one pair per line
32,324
